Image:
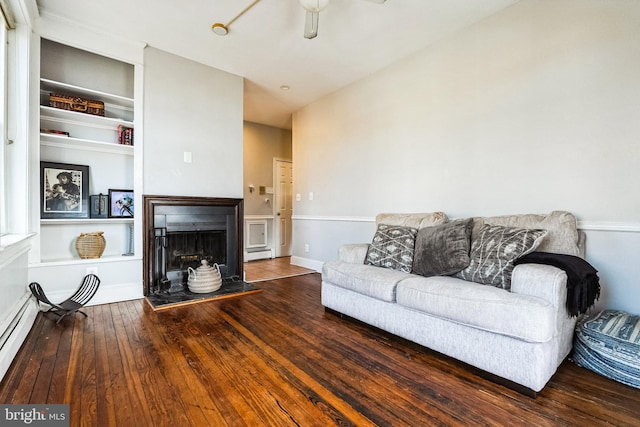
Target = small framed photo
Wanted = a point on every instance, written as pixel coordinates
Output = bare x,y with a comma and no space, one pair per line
64,190
120,203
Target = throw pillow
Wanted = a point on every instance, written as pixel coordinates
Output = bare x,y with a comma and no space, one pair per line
392,247
442,250
493,253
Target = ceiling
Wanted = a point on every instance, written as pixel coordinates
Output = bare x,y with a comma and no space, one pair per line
266,45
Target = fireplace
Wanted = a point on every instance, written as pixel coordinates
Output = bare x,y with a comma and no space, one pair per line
180,232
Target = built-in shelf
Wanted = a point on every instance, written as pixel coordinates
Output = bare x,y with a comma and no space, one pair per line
62,141
67,221
73,137
81,119
121,102
77,261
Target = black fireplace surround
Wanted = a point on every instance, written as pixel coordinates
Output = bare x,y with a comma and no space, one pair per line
180,232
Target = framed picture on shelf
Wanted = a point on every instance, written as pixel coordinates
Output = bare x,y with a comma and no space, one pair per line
64,190
120,203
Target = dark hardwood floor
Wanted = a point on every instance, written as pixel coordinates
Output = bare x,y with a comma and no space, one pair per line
277,359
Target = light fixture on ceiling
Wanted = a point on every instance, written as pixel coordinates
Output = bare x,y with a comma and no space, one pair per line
223,29
313,8
220,29
285,87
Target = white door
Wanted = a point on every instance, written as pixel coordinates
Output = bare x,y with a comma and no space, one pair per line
283,172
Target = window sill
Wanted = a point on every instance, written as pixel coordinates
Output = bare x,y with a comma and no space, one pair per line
12,243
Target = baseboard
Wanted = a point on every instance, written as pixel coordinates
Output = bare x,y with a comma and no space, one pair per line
307,263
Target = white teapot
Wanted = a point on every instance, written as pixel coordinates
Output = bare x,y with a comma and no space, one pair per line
204,278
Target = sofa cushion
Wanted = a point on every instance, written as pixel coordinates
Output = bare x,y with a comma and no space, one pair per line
392,247
493,251
443,249
375,282
414,220
562,237
483,307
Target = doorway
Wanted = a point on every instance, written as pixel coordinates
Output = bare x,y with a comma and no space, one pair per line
283,206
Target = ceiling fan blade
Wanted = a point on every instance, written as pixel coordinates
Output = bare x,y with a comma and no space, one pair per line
311,25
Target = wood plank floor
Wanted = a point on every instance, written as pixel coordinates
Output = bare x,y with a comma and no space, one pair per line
274,268
277,359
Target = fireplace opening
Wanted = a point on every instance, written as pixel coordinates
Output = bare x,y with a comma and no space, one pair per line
189,248
181,232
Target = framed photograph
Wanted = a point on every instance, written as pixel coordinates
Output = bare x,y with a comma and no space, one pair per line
64,190
120,203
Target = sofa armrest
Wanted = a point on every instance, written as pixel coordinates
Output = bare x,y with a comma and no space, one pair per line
550,284
542,281
354,253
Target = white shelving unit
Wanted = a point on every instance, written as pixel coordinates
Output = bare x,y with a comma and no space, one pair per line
92,141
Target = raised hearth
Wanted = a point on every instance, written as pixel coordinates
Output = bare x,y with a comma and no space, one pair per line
179,232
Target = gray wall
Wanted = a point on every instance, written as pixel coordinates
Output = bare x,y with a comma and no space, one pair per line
534,109
189,107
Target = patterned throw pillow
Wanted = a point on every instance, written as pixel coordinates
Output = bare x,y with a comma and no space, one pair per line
493,253
392,247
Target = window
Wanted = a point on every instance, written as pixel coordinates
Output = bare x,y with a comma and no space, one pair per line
7,24
3,121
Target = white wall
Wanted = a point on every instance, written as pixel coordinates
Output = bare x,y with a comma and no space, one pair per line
534,109
189,107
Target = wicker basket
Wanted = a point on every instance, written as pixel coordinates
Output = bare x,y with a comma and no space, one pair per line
90,245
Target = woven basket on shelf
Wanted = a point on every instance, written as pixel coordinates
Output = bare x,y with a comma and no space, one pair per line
90,245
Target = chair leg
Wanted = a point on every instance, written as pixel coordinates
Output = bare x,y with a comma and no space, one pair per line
69,312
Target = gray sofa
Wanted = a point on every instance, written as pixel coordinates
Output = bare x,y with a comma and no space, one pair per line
521,334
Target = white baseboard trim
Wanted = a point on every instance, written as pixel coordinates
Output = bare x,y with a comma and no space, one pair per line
307,263
253,256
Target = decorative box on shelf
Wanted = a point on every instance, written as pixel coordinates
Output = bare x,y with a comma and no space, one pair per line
99,206
125,135
76,103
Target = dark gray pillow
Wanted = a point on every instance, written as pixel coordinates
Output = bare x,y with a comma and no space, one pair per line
443,249
494,250
392,247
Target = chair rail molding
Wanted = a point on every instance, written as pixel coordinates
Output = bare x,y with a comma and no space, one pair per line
625,227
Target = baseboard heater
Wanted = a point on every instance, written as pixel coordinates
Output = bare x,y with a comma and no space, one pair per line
253,256
14,330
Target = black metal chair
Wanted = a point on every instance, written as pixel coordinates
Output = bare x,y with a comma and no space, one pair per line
74,303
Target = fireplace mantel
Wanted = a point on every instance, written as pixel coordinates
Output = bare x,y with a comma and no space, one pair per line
153,204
